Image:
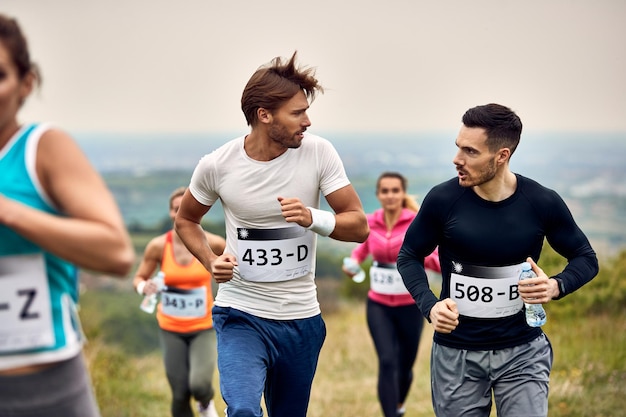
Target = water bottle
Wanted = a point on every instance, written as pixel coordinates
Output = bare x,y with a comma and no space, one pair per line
535,314
150,301
354,268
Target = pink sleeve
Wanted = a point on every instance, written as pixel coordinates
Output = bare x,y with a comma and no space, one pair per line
361,252
432,261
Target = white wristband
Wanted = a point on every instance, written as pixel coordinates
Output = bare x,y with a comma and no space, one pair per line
323,221
141,286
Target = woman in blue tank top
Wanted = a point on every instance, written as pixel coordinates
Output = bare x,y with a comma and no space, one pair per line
56,214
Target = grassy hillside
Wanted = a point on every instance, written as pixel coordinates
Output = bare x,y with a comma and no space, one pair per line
587,330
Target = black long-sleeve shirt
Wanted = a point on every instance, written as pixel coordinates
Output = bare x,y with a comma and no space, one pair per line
481,247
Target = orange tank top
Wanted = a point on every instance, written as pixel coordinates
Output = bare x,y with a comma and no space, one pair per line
187,285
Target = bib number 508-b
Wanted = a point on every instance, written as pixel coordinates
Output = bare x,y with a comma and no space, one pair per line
485,298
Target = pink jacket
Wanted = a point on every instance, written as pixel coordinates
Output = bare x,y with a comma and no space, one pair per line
384,247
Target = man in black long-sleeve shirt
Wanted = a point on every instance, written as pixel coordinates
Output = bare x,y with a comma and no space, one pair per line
486,222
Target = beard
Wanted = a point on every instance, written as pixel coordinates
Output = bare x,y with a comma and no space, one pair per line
483,176
279,134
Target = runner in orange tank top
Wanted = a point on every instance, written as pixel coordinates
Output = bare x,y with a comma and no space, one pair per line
191,309
184,316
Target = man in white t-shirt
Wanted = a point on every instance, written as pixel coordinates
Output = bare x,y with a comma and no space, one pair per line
266,315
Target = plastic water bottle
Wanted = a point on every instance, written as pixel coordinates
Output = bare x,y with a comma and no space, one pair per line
150,301
354,267
535,314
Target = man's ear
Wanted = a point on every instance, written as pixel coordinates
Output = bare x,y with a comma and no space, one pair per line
503,155
263,115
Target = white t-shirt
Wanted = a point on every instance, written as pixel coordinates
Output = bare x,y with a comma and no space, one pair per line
249,191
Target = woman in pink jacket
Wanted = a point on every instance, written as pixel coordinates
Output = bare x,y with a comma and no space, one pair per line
393,318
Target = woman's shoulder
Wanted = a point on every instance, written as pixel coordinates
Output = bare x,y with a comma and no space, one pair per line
376,216
407,214
157,242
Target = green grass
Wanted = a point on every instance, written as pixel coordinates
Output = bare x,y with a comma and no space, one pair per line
587,330
588,378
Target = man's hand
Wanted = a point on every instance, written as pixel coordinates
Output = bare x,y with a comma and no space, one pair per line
294,211
538,290
222,267
444,316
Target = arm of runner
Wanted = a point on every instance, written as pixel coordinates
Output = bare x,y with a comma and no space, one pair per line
350,221
187,225
150,262
91,233
217,243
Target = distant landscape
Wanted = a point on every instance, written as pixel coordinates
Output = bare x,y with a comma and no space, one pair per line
584,168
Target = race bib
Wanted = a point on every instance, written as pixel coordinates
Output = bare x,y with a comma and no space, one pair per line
25,309
385,279
270,255
177,302
486,292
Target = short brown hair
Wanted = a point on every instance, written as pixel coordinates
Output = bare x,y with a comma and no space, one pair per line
274,83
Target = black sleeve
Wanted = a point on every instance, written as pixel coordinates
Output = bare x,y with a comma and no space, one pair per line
420,240
568,240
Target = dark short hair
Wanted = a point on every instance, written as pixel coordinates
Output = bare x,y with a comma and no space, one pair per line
275,83
502,126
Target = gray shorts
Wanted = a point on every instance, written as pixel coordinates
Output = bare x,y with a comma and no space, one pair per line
62,390
463,381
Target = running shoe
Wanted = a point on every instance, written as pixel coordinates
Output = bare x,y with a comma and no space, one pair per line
208,410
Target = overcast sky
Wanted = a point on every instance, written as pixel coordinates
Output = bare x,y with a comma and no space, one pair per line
392,65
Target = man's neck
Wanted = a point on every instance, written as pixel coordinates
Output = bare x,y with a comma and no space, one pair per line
260,147
499,188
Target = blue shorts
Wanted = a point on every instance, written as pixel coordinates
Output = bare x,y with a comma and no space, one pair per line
276,358
462,381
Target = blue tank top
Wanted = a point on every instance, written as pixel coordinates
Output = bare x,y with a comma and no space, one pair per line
38,291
